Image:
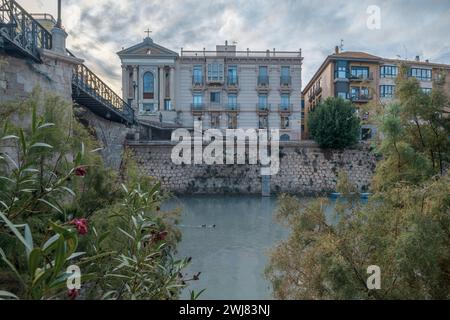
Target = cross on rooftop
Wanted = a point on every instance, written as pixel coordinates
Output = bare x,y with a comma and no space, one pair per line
148,33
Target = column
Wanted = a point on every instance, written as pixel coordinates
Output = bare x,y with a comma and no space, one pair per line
135,88
125,85
172,87
161,84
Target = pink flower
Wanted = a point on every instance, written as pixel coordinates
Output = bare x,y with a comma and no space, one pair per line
73,294
81,225
80,171
160,236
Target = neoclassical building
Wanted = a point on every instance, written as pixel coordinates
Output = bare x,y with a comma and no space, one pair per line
225,88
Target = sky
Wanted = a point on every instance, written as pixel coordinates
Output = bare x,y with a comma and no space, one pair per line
401,28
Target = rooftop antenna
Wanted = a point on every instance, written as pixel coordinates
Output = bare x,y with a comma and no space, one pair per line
342,45
59,22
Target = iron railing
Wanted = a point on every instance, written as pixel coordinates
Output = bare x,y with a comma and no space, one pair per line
20,30
83,78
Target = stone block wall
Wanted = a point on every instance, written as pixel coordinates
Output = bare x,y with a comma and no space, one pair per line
304,169
18,77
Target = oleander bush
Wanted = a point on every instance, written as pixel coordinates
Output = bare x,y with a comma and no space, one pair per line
61,207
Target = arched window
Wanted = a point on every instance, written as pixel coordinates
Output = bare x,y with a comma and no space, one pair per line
285,137
149,85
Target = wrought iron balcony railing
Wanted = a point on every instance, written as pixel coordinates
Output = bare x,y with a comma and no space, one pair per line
198,107
361,77
262,108
197,81
361,97
21,32
233,107
285,108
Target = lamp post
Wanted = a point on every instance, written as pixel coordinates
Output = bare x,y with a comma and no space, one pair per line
58,22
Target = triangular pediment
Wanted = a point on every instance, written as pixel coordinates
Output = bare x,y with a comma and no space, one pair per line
147,48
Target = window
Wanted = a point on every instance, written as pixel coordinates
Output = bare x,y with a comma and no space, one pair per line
197,75
232,121
215,97
232,101
359,93
426,90
263,122
263,78
215,72
343,95
285,75
149,86
215,121
284,122
387,91
388,71
262,101
285,137
167,105
198,100
360,72
421,74
148,107
232,75
285,101
341,70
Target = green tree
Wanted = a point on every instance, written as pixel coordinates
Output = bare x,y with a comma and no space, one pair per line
404,229
335,124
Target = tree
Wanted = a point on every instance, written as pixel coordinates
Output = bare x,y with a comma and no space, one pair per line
334,124
404,229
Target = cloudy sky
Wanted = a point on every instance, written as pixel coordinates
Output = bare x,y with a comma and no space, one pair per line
98,29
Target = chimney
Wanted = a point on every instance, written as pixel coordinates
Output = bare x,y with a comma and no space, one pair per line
417,58
226,42
336,50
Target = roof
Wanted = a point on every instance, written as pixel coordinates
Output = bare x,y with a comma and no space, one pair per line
142,49
355,55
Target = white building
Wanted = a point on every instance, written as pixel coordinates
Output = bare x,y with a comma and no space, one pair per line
225,88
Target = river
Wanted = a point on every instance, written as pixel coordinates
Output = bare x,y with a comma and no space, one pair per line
228,238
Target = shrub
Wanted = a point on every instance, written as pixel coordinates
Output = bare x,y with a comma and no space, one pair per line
334,124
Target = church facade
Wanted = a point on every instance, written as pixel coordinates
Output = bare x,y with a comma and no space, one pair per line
225,88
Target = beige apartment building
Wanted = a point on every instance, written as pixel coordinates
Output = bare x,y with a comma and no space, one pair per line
224,88
364,78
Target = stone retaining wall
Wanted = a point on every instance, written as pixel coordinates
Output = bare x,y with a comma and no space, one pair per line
304,169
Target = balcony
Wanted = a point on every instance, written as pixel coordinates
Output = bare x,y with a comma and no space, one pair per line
361,98
232,107
198,83
198,109
263,84
361,77
285,109
262,109
233,84
286,83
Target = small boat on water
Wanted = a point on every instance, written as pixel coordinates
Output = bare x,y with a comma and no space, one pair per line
337,195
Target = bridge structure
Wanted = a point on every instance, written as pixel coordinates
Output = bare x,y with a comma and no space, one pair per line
21,35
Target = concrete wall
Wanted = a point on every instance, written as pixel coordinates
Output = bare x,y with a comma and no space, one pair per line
304,169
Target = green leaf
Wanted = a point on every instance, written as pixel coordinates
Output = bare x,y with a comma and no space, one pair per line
11,266
23,141
35,258
10,137
18,235
41,145
50,244
69,191
76,255
7,295
51,205
46,125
